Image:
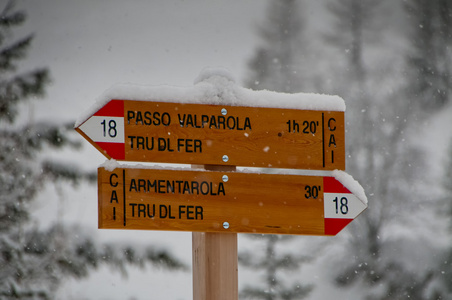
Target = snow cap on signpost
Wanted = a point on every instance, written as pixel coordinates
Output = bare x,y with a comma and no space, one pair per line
217,87
209,72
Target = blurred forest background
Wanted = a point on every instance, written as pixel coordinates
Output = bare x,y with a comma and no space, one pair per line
389,60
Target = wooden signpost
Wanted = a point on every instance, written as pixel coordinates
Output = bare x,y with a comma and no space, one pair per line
216,201
218,135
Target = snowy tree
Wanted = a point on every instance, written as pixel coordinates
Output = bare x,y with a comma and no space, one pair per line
443,286
277,62
445,261
272,266
352,32
277,65
34,262
429,60
379,119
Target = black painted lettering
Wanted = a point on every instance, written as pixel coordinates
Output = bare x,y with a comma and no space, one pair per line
188,145
221,189
151,185
161,187
114,197
332,124
164,186
133,208
141,209
147,143
161,144
238,124
156,116
205,188
181,120
179,182
169,213
139,118
231,125
181,211
165,145
130,116
332,141
199,212
133,185
141,185
170,187
131,137
180,144
111,180
169,146
221,121
196,122
204,120
211,189
186,188
189,121
294,126
147,118
166,119
198,146
213,122
153,211
163,210
190,211
247,124
140,142
195,187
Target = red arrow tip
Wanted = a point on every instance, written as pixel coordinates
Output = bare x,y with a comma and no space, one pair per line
114,108
332,185
334,226
113,150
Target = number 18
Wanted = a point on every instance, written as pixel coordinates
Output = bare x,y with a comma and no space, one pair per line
112,132
341,205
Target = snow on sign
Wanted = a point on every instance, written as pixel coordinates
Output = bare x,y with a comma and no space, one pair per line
153,131
213,201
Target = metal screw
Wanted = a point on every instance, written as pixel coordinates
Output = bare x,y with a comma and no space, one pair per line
224,111
225,225
225,158
225,178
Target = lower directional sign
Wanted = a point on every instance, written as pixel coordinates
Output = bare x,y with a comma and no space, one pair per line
213,201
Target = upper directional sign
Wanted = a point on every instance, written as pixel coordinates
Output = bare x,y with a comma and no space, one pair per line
213,201
148,131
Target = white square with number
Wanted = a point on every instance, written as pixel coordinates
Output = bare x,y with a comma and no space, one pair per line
342,206
104,129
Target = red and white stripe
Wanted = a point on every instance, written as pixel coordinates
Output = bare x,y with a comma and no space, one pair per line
337,216
113,147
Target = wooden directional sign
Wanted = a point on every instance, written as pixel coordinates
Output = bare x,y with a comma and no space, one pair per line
166,132
212,201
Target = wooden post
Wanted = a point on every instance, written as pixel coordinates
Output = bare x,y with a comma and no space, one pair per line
215,260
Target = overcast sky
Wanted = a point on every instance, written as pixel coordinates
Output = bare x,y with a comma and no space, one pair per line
90,45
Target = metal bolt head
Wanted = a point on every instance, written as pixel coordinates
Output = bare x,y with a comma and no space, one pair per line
225,225
225,178
224,111
225,158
